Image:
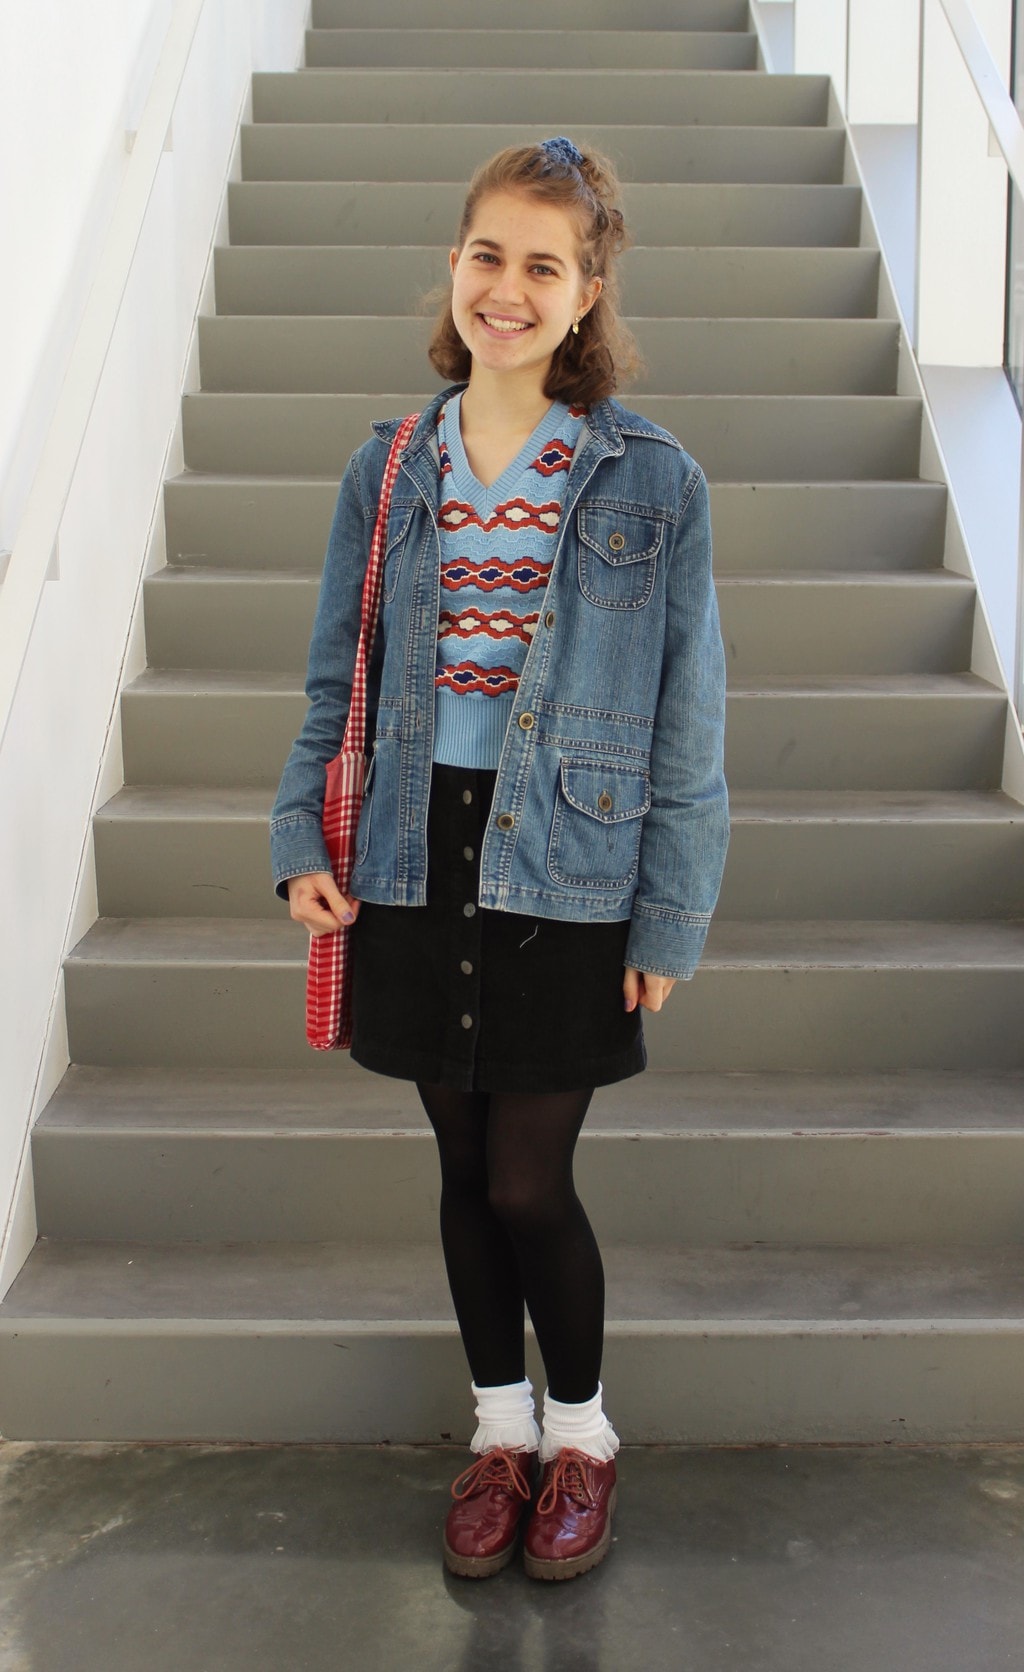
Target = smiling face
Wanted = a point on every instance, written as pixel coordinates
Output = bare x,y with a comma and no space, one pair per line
517,284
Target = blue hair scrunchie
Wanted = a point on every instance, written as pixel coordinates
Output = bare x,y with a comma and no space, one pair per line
562,150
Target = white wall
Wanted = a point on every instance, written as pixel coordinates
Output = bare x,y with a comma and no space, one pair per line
71,80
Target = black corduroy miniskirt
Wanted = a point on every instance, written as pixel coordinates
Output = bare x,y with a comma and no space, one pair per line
455,994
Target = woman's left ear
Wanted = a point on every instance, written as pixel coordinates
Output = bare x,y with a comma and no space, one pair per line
590,294
453,261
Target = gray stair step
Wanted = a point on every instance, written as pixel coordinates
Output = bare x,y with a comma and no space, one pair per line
731,282
176,851
611,49
558,14
553,99
931,1158
360,355
816,527
451,151
211,726
789,996
733,437
859,623
241,1340
424,212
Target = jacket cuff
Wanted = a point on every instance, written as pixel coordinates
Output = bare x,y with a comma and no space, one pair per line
668,943
297,848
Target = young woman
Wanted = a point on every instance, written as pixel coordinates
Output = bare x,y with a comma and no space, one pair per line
545,819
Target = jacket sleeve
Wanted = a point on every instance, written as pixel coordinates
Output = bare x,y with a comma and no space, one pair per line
686,830
296,820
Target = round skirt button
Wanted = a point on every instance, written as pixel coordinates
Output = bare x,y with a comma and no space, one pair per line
467,796
469,910
466,967
467,1021
467,853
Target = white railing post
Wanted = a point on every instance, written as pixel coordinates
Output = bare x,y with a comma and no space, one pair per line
819,41
1017,672
961,259
882,48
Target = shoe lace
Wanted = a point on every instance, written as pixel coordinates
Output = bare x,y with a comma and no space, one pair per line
496,1467
566,1474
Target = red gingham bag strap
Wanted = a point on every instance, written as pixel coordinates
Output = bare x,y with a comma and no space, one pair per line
355,727
328,969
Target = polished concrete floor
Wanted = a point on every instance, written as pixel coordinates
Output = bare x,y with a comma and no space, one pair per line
211,1558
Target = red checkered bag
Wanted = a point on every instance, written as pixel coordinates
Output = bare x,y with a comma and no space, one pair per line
328,972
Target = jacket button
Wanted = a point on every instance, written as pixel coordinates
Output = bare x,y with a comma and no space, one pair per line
526,721
466,967
616,542
505,821
549,619
605,802
469,910
467,1021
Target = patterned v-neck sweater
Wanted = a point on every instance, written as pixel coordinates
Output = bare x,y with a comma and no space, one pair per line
497,546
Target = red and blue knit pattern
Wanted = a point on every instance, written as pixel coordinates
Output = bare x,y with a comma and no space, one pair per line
497,547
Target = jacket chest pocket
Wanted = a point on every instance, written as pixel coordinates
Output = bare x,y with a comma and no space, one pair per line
618,556
595,831
399,518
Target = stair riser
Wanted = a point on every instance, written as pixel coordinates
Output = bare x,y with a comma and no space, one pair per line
756,530
514,49
772,742
872,1189
701,283
777,629
328,212
360,356
221,868
347,151
552,99
734,437
743,1385
737,1019
558,14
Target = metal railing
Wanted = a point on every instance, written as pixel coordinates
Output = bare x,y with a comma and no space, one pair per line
929,62
36,545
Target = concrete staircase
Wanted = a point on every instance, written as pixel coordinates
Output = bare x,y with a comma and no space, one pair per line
812,1205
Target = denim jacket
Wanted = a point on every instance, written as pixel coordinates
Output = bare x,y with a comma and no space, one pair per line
610,800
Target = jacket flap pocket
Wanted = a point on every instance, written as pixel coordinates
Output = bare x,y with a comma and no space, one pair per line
610,793
619,536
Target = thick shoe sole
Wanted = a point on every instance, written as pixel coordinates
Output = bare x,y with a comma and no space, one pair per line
569,1567
478,1567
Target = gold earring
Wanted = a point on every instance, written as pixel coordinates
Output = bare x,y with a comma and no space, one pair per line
576,326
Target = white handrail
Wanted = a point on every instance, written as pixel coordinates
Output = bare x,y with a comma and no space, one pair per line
36,540
1003,116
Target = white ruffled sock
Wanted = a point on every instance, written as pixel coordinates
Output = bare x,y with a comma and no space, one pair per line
584,1426
505,1417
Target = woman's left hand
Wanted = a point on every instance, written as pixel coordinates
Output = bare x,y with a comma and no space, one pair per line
649,990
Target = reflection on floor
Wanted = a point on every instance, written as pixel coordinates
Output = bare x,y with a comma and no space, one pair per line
207,1558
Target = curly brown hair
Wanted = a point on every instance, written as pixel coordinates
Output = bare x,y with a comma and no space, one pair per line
588,366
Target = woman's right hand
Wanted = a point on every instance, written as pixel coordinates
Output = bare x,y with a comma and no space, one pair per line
316,901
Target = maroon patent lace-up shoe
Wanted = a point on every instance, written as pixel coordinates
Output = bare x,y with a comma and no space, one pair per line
490,1499
571,1527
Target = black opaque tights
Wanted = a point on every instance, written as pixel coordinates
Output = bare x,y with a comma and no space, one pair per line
514,1229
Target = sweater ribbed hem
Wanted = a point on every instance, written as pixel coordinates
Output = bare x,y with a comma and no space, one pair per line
470,730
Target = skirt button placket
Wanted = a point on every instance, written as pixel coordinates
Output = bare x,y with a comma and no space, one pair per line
467,950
